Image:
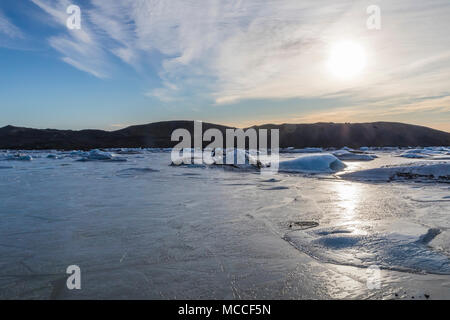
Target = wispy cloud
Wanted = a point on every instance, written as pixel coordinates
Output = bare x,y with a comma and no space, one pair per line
82,49
8,29
228,51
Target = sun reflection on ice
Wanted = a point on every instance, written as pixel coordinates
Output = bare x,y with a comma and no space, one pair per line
348,197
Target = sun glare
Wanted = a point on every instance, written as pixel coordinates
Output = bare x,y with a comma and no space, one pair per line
347,59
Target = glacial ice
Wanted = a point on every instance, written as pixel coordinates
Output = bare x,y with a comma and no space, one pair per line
19,157
97,155
433,171
134,172
317,163
304,150
188,224
394,251
237,158
346,155
54,156
425,153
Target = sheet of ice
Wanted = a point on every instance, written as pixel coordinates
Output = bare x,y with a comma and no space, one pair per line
421,171
129,151
346,155
97,155
395,251
179,232
426,153
317,163
134,172
414,155
304,150
55,156
17,157
237,158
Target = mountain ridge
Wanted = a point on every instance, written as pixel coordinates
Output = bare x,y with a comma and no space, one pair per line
157,135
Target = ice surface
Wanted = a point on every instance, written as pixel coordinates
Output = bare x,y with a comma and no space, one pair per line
143,229
346,155
317,163
429,153
364,249
18,157
134,172
54,156
97,155
237,158
434,171
304,150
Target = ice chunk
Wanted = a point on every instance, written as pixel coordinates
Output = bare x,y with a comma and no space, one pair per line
304,150
237,158
413,155
97,155
317,163
350,156
428,152
394,251
19,157
417,171
130,151
54,156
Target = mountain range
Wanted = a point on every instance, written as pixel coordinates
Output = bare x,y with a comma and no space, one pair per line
158,135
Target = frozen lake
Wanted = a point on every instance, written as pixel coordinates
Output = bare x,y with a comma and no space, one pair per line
142,229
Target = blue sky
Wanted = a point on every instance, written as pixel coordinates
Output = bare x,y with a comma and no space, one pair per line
232,62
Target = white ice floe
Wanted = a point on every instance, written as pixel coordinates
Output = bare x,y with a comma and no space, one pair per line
237,158
18,157
421,171
394,251
130,151
97,155
425,153
78,153
414,155
317,163
54,156
346,155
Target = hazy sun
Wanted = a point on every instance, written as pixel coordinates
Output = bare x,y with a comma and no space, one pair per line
347,59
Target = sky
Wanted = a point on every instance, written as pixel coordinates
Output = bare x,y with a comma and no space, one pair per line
233,62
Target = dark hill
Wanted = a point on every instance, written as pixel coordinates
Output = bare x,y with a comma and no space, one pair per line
377,134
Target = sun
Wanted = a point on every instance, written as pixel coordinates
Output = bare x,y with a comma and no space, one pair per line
347,59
